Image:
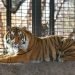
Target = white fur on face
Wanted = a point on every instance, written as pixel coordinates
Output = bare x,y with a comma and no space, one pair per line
10,47
12,51
19,33
12,33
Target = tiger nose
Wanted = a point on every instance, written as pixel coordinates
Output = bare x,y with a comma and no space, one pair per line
16,40
15,45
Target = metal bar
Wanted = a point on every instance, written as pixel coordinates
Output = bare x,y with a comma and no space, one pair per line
8,14
36,17
51,17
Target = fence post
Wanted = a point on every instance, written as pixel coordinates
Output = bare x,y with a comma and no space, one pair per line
36,17
8,13
51,17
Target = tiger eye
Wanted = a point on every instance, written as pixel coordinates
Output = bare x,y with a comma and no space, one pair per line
21,36
24,42
8,41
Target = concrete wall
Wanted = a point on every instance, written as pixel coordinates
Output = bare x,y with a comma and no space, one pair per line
50,68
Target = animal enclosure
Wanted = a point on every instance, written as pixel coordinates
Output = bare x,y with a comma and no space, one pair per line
41,17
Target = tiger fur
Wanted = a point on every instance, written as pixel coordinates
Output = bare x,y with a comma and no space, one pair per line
37,49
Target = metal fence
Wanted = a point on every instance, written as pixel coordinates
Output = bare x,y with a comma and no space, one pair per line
41,17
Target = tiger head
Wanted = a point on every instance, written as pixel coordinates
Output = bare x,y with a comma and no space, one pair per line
15,39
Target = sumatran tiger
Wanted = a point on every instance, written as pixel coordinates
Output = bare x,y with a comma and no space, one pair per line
22,46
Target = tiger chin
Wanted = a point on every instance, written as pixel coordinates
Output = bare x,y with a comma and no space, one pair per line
23,46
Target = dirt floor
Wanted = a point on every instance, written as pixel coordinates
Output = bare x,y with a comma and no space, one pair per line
44,68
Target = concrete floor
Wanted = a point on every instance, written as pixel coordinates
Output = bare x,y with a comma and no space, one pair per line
44,68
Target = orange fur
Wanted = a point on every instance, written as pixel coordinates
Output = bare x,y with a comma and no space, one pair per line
43,49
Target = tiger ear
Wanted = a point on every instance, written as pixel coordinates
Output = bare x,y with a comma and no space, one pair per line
24,28
9,30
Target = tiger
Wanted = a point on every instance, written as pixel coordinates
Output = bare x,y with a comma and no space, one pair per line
11,41
23,46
